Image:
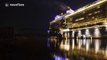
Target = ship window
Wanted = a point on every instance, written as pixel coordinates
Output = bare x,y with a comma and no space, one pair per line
93,17
90,14
82,18
96,12
98,7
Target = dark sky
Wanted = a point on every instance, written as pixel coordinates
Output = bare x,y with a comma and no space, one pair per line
36,13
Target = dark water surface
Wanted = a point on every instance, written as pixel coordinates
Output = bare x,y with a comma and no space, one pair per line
24,48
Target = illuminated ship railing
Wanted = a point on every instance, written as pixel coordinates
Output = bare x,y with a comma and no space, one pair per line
91,24
86,7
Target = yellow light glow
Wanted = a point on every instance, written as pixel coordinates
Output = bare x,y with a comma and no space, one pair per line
73,43
106,51
79,33
73,33
61,32
67,45
97,45
61,45
65,30
106,26
87,33
84,41
68,35
79,43
67,59
87,45
97,32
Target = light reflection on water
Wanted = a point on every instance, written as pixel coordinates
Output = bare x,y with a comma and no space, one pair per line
95,46
87,45
65,45
56,57
48,43
73,43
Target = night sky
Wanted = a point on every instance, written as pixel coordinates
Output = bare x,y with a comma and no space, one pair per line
36,13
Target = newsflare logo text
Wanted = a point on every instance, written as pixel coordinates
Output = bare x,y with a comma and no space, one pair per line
13,4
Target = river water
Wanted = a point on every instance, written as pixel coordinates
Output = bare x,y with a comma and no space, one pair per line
78,49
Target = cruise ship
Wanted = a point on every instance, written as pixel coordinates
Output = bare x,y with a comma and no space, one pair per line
80,34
